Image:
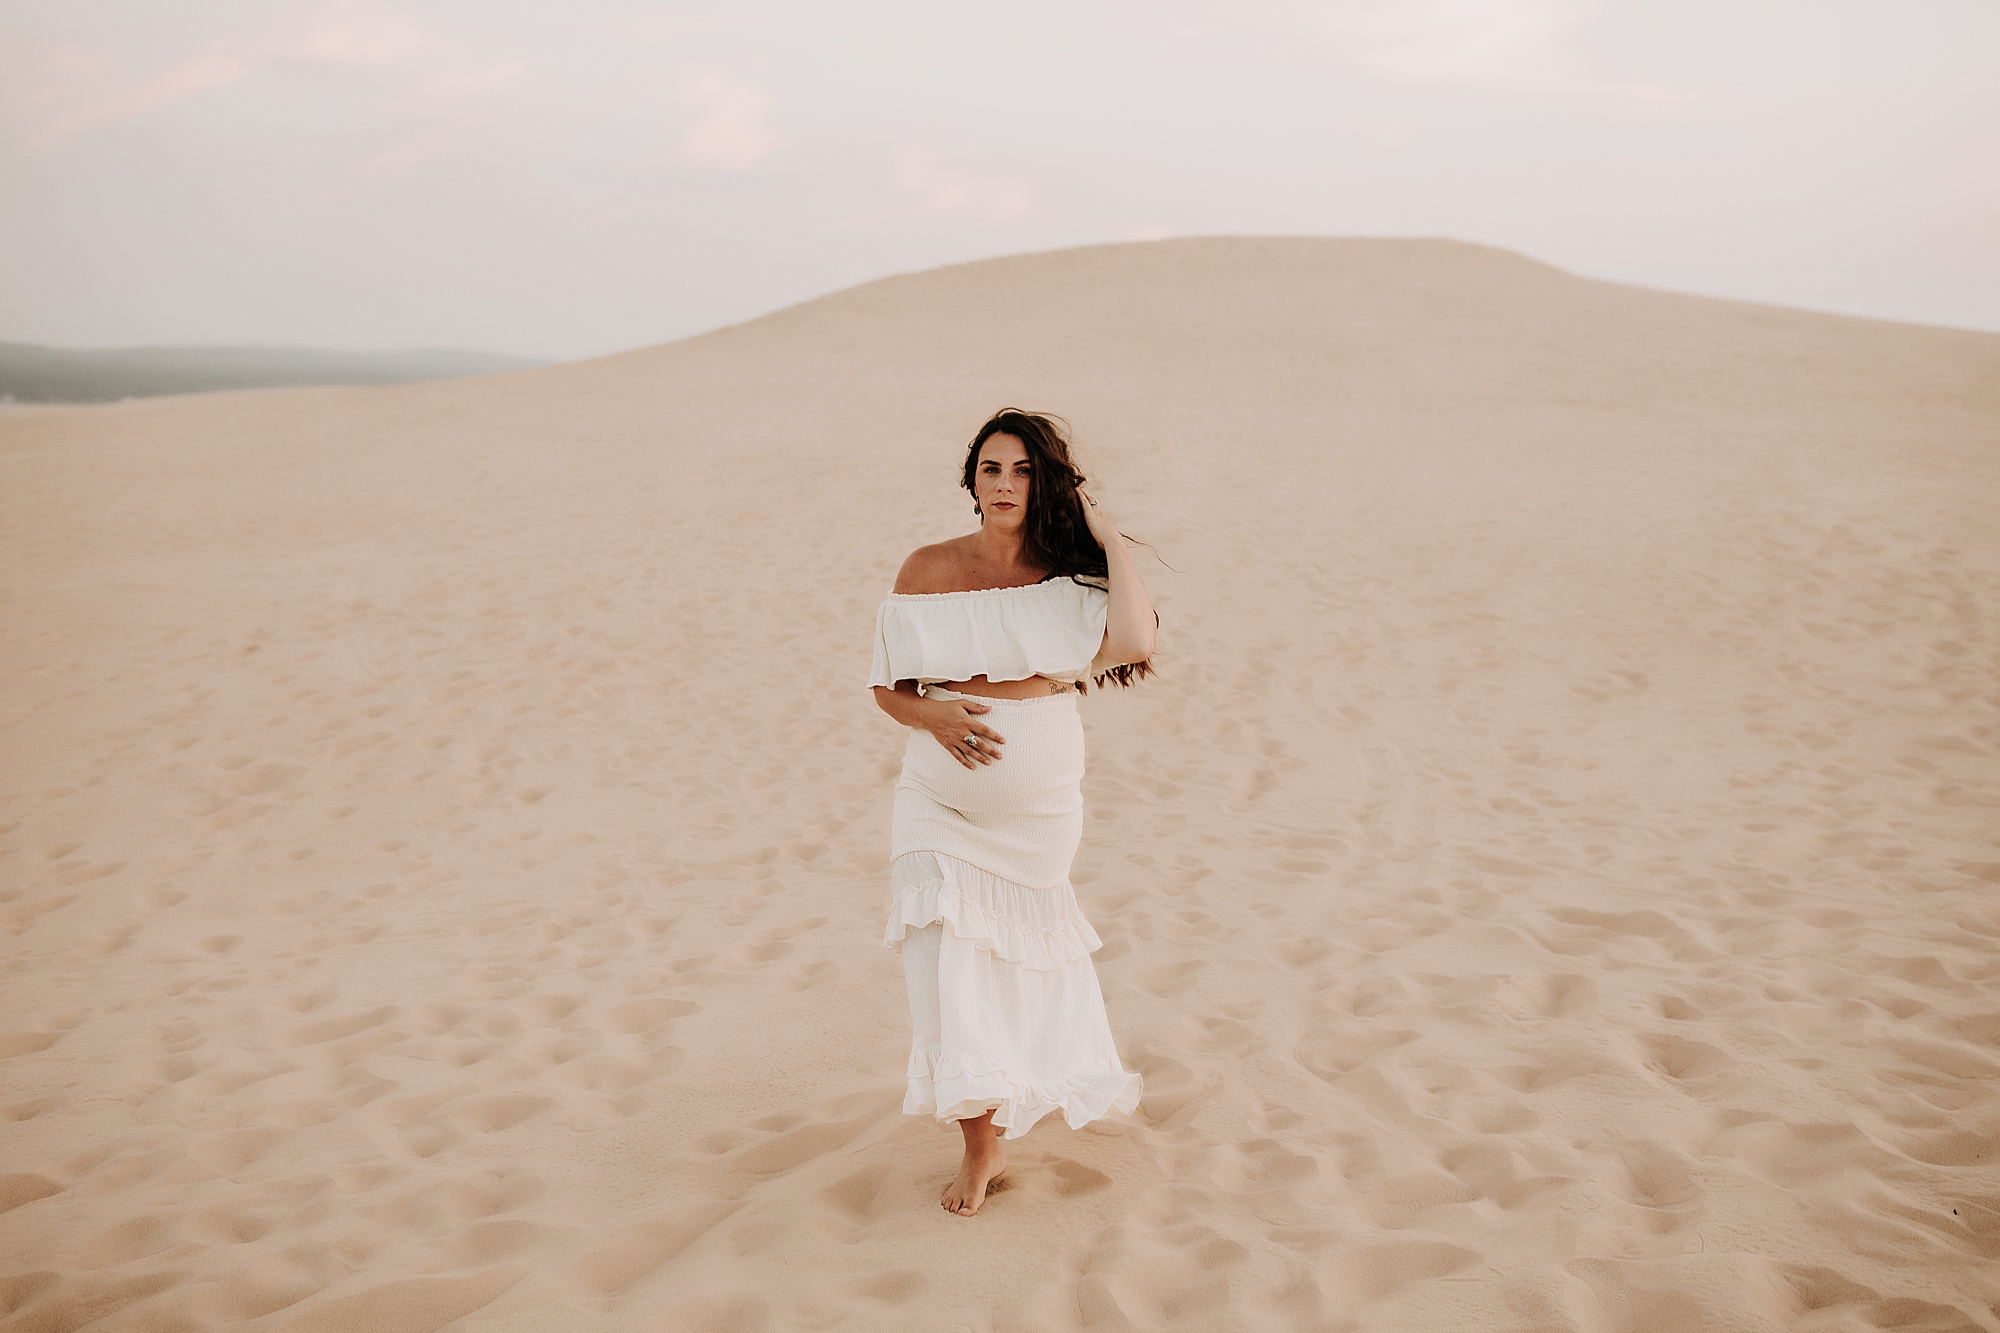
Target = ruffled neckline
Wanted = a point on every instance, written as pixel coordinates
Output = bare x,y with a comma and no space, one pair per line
981,592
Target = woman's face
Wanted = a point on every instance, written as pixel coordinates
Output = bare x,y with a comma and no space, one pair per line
1000,482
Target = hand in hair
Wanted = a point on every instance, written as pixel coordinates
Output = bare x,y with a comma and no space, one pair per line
1130,620
1099,519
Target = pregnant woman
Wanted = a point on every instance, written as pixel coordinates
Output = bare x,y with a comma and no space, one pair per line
981,651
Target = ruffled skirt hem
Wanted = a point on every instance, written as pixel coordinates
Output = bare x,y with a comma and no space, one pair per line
952,1092
1006,1012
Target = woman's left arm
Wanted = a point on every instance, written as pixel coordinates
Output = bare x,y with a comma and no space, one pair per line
1130,623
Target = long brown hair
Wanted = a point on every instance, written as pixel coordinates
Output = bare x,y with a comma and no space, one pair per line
1055,533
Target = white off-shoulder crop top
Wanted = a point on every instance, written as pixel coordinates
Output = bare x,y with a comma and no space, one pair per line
1052,629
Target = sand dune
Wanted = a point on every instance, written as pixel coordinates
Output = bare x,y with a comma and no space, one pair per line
1551,884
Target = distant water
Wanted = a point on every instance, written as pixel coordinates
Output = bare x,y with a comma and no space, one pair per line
35,374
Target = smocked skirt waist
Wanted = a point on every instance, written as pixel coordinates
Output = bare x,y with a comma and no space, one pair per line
1021,817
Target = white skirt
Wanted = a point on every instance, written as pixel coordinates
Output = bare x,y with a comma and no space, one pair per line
1005,1009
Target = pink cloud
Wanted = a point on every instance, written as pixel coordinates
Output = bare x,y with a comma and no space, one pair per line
730,135
938,186
77,110
74,91
1519,46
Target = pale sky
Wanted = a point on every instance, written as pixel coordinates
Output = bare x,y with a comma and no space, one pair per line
564,180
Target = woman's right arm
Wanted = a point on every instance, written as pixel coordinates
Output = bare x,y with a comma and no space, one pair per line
950,721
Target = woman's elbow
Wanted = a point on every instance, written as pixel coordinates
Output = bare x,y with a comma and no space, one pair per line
891,698
1124,651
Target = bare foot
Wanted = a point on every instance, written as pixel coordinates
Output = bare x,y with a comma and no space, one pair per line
981,1167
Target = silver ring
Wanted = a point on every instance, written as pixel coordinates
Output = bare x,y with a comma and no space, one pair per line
972,741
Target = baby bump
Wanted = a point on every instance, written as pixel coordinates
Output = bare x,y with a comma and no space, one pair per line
1040,770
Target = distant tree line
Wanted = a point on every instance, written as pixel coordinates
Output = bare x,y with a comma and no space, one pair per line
35,374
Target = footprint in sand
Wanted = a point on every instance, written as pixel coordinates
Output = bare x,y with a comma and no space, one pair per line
1499,1171
134,1238
1217,1034
27,1043
1302,954
1170,979
1332,1054
410,1126
1369,1273
765,946
645,1017
1973,1219
337,1042
549,1011
1064,1178
229,1154
896,1287
1555,1063
1142,1278
421,1305
20,918
33,1107
629,1254
1256,1166
1682,1059
856,1202
494,1112
1170,1088
1678,1009
1793,1155
229,1224
1495,1115
51,1300
25,1187
277,1280
741,1159
719,1314
1650,1175
806,975
1824,1296
609,1074
1564,995
1954,1148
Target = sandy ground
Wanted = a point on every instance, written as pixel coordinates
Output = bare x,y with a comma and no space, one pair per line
1551,884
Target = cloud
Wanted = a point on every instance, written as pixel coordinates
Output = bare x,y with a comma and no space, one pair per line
70,92
728,137
1524,47
1450,39
81,103
940,187
351,34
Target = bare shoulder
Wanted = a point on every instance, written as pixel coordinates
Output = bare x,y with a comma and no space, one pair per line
935,568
